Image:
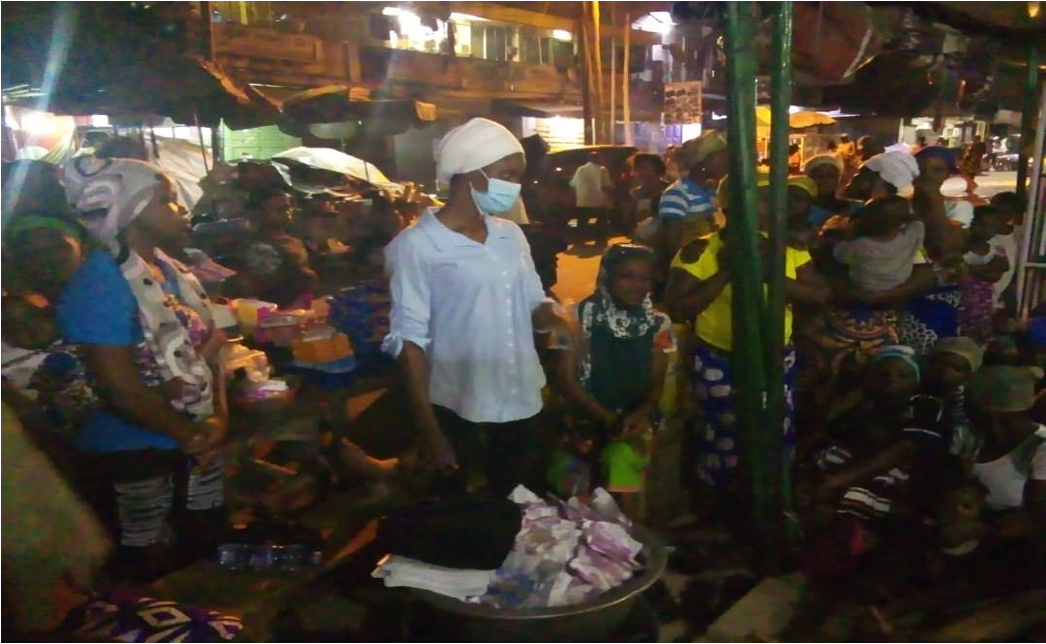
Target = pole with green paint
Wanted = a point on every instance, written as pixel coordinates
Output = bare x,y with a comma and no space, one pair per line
747,276
780,99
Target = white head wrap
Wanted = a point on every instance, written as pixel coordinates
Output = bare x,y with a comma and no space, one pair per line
122,188
472,146
898,169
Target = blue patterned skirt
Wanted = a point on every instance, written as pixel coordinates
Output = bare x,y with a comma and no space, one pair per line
713,378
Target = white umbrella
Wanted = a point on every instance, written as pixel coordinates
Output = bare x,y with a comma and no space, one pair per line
335,161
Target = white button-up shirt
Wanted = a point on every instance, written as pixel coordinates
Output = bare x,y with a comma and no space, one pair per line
468,306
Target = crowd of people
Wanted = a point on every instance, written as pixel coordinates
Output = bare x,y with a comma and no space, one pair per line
913,400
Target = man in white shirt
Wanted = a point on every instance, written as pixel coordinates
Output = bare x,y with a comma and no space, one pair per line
592,190
466,302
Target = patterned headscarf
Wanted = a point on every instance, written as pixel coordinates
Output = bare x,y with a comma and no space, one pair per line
624,323
901,352
110,193
600,310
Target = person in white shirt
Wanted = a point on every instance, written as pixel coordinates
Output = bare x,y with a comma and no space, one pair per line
466,302
592,188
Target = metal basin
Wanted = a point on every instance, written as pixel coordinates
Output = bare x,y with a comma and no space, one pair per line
592,621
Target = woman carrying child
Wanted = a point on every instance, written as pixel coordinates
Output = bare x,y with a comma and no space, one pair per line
616,379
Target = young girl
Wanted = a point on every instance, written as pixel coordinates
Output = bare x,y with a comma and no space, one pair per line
985,265
615,379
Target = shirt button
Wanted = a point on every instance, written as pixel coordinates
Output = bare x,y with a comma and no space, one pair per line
508,301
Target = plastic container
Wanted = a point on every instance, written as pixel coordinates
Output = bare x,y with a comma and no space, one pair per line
322,349
247,312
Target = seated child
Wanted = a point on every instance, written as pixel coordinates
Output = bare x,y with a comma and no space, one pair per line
985,264
948,368
570,470
616,378
883,246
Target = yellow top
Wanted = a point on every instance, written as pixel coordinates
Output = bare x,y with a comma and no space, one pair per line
713,325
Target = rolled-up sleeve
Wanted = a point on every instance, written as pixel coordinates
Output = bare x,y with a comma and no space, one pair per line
411,301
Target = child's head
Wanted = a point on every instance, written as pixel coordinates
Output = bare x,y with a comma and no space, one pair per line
627,274
582,439
883,216
43,251
1001,396
648,167
952,362
802,191
1010,205
989,221
893,375
27,325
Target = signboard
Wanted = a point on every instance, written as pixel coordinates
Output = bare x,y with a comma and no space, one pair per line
682,103
263,42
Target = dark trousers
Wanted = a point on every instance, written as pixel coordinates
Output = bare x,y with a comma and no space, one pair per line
161,511
602,221
504,453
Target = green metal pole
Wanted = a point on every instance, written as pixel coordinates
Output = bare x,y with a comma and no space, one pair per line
1031,98
780,97
743,241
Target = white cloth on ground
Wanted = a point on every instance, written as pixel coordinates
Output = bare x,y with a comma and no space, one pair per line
459,583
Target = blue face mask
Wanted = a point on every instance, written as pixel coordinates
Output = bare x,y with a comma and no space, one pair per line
500,196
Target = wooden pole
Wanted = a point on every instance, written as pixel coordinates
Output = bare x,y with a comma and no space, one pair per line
597,53
586,77
747,356
207,38
613,91
626,94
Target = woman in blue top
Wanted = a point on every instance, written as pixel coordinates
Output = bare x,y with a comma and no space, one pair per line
144,327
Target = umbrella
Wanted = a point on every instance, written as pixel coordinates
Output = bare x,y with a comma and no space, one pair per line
335,161
798,120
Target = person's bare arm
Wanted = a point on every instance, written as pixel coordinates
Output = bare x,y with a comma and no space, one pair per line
943,240
639,417
894,456
671,237
808,287
921,281
686,296
565,382
119,382
414,365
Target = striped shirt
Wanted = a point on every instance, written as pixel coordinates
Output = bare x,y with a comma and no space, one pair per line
693,205
686,199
